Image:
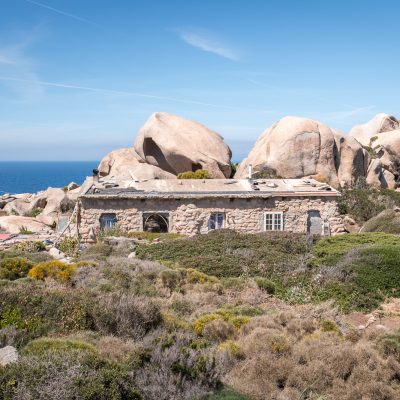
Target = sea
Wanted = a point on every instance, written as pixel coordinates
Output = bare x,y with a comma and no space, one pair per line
34,176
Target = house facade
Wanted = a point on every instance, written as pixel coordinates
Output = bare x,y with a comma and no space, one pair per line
198,206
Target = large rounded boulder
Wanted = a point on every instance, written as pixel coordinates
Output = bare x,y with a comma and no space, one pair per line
176,144
367,133
295,147
126,164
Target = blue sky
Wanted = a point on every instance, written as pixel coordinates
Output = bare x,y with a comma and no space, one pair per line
78,78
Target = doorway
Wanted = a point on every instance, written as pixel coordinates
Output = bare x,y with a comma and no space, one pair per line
314,223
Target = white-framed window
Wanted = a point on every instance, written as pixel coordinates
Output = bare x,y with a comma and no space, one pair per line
273,221
216,221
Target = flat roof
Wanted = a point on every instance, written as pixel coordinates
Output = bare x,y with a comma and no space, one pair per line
202,188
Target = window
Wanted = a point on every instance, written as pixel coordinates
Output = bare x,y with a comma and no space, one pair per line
107,221
216,221
274,221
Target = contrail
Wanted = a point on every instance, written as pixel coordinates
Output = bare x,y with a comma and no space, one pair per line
60,12
110,91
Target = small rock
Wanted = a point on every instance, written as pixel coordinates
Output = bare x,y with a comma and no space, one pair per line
381,327
8,355
57,254
132,255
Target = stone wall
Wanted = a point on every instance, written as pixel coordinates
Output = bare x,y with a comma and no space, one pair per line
191,216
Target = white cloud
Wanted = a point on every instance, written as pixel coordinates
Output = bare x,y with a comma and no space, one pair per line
58,11
15,62
204,41
353,112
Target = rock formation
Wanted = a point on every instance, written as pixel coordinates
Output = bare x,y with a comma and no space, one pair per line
176,144
16,223
126,164
295,147
298,147
377,125
381,136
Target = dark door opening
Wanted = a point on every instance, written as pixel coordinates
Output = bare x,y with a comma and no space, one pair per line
156,222
314,222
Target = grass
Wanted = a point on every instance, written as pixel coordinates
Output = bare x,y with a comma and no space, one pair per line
225,394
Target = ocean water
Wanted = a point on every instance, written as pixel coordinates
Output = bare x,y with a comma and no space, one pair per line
33,176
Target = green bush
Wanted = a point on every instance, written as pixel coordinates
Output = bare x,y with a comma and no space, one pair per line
226,253
265,284
198,174
14,268
59,370
387,221
69,245
390,345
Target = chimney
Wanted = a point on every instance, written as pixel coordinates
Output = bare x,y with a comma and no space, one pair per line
250,171
95,175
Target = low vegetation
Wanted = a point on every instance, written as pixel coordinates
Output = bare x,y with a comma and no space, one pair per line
223,316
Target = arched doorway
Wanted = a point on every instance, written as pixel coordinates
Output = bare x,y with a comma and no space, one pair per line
156,222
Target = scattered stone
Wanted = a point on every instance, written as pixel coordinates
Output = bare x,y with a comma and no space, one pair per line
8,355
57,254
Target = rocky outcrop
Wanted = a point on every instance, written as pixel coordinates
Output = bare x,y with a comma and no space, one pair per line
176,144
45,206
126,164
298,147
295,147
17,224
352,160
381,123
381,137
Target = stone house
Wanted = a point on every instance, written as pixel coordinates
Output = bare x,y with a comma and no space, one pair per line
198,206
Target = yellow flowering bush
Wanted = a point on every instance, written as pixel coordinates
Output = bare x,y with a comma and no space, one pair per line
53,269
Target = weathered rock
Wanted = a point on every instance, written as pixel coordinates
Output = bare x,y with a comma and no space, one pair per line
176,144
72,186
8,355
295,147
126,164
57,254
20,204
352,162
53,201
381,123
14,224
378,177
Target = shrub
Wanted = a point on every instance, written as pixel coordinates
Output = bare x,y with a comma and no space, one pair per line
202,321
98,251
126,315
29,246
69,245
390,345
265,284
222,253
64,370
23,230
198,174
170,278
14,268
218,330
34,212
178,366
329,326
53,269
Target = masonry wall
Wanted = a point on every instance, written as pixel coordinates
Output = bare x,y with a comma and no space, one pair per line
191,216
